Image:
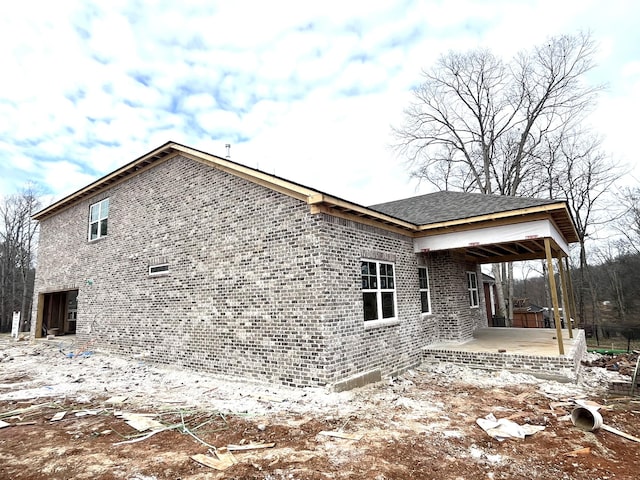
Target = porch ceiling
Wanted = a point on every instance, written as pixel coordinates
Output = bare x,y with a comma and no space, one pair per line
496,243
514,251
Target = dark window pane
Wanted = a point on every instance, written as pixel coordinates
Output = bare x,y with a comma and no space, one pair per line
388,310
365,283
370,306
373,282
390,283
103,228
424,300
365,268
94,231
422,275
383,282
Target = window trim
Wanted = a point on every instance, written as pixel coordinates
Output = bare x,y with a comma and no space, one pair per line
422,290
154,272
380,320
99,220
471,290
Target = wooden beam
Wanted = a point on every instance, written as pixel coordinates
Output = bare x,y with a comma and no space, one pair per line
525,247
554,294
572,297
566,305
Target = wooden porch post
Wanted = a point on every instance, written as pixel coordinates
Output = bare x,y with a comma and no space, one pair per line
554,294
566,304
572,297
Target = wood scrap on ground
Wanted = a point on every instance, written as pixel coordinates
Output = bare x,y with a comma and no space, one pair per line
620,433
249,446
579,451
223,459
345,436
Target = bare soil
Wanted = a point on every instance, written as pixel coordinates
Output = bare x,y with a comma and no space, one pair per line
421,425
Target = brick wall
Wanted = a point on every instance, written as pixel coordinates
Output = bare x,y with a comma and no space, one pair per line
258,287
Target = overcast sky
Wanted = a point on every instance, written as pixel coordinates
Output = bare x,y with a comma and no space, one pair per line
305,90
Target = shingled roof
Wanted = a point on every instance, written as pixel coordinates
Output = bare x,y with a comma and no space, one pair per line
445,206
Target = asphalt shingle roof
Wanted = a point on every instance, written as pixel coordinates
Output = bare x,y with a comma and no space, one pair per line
445,206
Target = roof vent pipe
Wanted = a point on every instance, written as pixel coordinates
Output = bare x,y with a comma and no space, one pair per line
228,147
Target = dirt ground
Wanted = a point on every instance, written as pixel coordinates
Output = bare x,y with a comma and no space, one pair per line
421,425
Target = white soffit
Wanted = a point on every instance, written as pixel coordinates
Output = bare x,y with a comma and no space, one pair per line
491,235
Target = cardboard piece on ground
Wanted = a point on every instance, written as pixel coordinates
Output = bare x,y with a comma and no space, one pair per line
4,424
346,436
116,400
58,416
141,422
580,451
249,446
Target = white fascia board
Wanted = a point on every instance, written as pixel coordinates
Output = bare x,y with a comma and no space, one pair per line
491,235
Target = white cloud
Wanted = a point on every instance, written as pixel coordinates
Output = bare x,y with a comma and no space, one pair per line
312,87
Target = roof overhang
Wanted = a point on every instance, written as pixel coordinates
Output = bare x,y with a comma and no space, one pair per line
556,219
499,243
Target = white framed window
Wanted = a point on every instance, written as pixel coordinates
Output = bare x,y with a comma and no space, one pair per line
378,290
425,299
98,219
472,286
159,269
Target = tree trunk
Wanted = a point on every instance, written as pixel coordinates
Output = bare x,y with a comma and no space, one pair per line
500,292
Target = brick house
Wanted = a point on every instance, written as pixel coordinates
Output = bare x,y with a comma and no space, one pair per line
198,261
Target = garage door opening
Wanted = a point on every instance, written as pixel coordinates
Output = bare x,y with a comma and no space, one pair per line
57,313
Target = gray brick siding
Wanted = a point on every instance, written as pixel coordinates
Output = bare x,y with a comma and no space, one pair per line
257,286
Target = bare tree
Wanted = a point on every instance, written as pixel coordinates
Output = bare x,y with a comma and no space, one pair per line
17,241
628,225
478,123
578,170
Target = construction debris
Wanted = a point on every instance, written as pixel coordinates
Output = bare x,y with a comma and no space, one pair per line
624,364
58,416
141,422
579,451
504,428
249,446
224,460
345,436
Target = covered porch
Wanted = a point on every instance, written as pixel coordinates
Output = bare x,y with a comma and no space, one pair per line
527,350
540,232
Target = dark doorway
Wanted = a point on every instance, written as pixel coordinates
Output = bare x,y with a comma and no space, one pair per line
59,313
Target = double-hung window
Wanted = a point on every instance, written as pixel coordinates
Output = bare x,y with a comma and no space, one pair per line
425,301
472,287
98,216
378,290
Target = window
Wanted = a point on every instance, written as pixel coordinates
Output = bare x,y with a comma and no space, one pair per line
158,269
472,286
98,213
378,290
423,276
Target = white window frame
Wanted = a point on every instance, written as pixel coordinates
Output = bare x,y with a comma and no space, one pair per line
103,215
380,320
158,269
474,296
426,290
